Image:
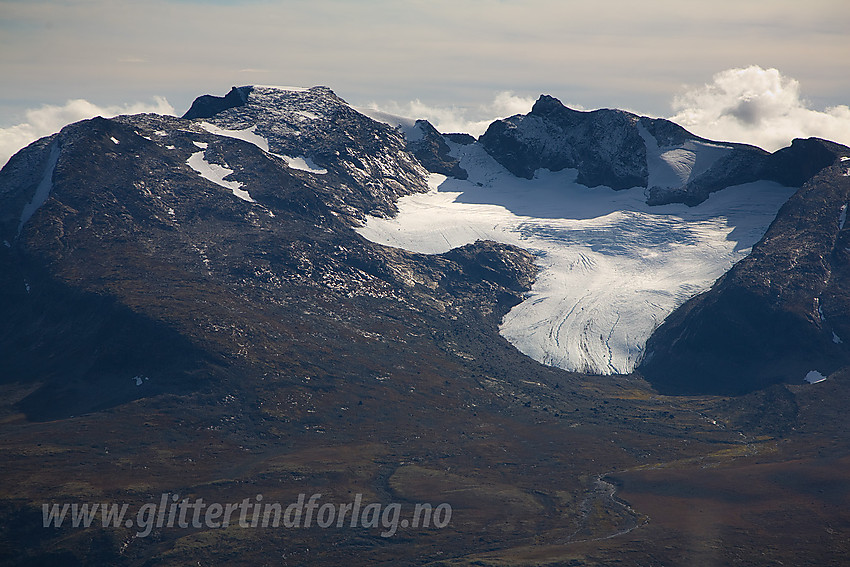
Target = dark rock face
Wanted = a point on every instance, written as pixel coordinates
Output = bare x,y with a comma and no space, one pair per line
459,138
433,152
666,133
604,145
799,162
207,106
778,314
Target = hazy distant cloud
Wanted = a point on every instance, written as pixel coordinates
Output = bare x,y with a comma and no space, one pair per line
614,53
459,119
50,119
757,106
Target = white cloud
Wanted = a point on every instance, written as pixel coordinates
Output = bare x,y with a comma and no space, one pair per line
760,107
461,119
51,118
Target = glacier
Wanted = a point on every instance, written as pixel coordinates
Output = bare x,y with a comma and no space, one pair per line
612,268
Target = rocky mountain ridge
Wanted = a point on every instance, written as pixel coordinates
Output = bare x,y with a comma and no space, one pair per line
620,150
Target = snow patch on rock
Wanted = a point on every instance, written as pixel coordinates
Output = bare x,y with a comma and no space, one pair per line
216,173
45,186
247,135
813,377
407,126
675,166
250,135
304,164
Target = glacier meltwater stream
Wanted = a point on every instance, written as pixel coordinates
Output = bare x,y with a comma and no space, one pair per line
612,267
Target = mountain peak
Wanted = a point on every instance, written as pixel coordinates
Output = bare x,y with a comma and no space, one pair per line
547,104
604,146
206,106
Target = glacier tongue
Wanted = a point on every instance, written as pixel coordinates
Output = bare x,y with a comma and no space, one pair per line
612,267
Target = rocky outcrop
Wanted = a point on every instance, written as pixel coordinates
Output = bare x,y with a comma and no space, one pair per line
207,106
780,313
459,138
799,162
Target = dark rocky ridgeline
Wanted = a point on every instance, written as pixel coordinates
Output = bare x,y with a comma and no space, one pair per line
779,313
795,165
459,138
137,276
610,147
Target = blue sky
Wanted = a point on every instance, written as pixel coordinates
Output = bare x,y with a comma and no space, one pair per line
450,55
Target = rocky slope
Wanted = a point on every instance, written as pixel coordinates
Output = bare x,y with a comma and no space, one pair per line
780,313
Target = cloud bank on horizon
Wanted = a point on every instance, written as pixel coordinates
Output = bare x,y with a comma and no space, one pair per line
760,107
751,105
